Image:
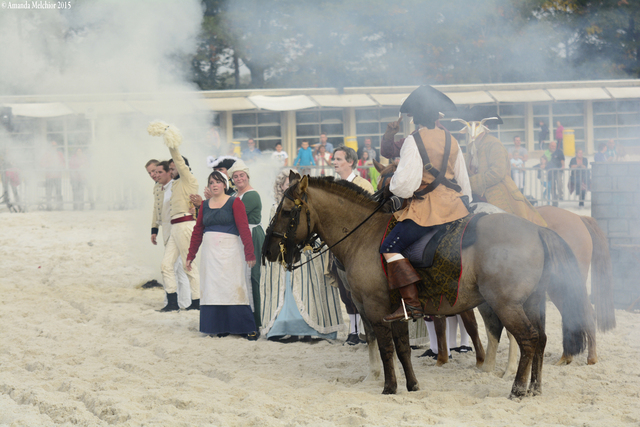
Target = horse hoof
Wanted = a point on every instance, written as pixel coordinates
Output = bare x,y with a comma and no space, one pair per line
592,361
389,390
414,387
563,361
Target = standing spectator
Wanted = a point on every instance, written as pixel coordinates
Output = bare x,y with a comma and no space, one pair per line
373,153
517,170
518,148
345,160
364,164
600,155
543,135
304,158
78,175
53,163
251,154
579,179
323,161
280,156
559,134
611,153
556,165
10,177
253,204
327,144
223,230
543,176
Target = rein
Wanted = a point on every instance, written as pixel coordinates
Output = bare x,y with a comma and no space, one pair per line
287,244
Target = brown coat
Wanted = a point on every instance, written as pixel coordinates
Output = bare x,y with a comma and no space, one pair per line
443,204
492,181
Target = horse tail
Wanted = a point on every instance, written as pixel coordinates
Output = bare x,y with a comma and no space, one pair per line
601,276
562,270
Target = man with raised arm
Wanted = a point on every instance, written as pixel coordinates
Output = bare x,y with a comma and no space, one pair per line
181,219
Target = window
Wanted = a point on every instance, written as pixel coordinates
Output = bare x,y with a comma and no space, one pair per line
569,114
311,123
618,120
263,127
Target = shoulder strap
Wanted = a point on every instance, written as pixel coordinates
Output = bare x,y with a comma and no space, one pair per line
440,176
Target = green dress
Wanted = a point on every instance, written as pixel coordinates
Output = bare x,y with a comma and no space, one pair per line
253,205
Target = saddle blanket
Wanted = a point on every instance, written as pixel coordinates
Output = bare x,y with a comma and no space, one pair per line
442,278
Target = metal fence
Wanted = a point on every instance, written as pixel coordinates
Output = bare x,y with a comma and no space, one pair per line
29,193
541,187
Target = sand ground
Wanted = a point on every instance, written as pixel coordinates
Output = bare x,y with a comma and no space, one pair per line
82,344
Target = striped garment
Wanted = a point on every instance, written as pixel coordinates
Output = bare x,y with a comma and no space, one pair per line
318,302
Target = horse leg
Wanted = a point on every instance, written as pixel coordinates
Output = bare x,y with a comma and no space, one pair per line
516,321
494,327
440,323
592,356
374,355
535,309
384,337
400,332
470,324
512,362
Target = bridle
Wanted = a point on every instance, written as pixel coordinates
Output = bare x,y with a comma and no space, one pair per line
287,239
287,244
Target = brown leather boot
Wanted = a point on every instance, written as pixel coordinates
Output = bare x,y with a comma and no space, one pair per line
403,276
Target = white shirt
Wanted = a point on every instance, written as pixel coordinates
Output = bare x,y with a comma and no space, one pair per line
408,176
351,177
280,156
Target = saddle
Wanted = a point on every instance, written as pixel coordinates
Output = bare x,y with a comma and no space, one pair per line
437,258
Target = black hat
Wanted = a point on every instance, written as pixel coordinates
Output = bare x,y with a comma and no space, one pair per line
425,104
221,162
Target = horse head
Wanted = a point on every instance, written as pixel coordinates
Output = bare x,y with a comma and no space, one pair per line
291,227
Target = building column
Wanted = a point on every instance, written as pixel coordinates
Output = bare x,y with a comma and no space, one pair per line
288,127
588,128
226,123
528,127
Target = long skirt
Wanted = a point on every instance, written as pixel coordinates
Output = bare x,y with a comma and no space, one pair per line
302,302
224,301
257,235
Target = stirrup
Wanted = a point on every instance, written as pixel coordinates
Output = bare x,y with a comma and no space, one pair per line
412,309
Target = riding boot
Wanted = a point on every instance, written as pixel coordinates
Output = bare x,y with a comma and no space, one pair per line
403,276
172,303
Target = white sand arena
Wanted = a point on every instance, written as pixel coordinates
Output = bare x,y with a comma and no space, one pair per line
82,344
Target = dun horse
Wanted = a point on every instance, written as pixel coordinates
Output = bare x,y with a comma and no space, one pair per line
589,244
510,266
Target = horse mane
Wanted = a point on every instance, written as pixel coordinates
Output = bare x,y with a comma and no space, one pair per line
346,189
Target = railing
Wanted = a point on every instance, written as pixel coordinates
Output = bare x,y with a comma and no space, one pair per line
64,193
541,187
555,186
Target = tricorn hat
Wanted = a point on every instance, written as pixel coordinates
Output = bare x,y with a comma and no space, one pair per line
425,105
221,162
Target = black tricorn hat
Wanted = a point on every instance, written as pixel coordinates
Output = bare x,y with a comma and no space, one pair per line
477,113
425,104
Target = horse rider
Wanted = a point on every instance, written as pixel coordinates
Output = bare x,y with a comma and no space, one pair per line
490,170
425,177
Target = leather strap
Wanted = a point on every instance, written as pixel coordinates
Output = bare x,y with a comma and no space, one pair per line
439,174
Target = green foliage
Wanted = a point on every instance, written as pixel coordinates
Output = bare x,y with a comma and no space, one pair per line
337,43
